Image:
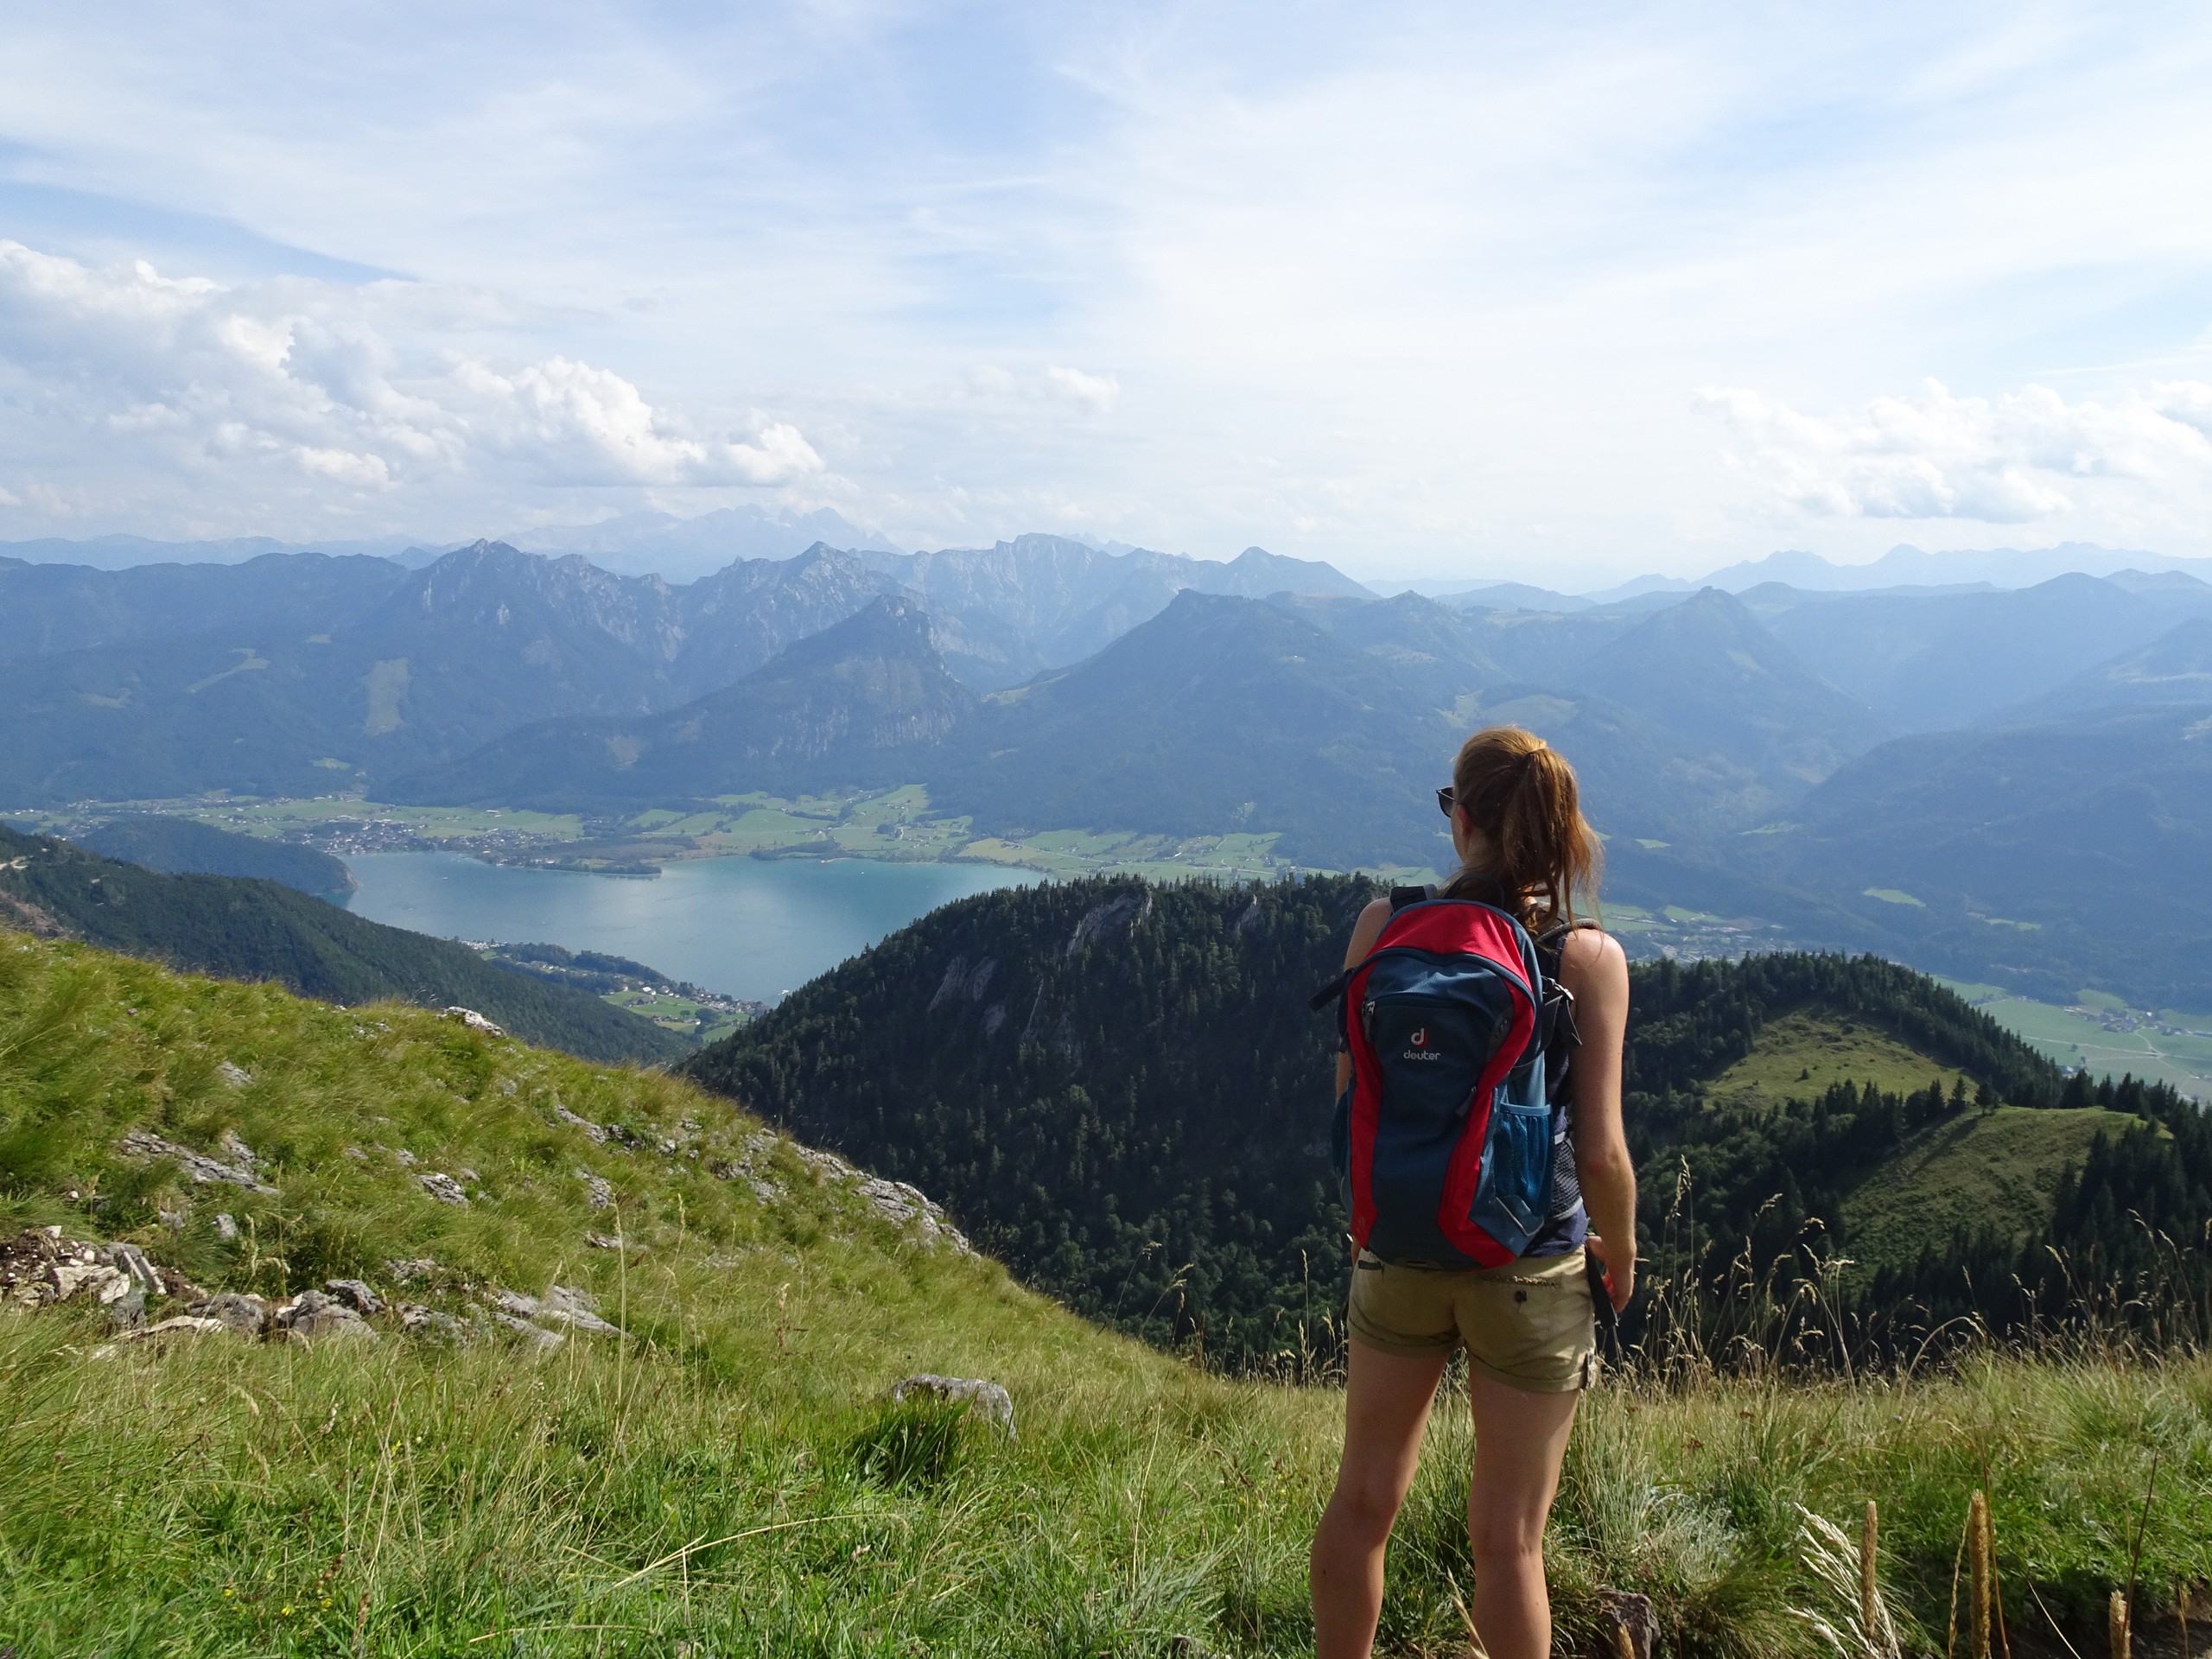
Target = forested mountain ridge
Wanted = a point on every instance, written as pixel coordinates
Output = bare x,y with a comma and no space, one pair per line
860,703
1120,1090
186,847
255,930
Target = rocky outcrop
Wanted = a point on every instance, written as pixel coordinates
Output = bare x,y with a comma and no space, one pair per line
198,1166
905,1207
445,1189
562,1305
39,1267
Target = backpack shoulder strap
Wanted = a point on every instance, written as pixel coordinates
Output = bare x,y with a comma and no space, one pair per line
1551,946
1400,898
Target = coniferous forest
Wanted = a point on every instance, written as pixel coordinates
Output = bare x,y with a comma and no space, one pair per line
1120,1088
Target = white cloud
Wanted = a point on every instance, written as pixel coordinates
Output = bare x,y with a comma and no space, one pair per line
1383,285
295,380
2026,456
1096,392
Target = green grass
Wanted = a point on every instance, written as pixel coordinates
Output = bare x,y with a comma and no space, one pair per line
727,1474
673,1012
1982,1169
1798,1056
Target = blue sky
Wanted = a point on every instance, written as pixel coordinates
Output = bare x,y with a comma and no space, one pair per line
1424,289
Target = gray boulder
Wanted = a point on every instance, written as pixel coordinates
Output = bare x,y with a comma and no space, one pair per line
983,1399
356,1295
420,1321
246,1315
312,1317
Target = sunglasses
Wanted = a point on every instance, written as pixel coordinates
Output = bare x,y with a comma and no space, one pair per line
1446,799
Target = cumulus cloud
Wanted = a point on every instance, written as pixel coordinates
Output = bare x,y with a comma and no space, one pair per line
296,376
2025,456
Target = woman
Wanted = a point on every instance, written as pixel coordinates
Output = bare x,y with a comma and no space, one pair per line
1528,1327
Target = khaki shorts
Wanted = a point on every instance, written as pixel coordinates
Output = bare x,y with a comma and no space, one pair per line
1530,1324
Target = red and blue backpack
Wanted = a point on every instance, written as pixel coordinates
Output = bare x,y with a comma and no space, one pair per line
1447,1136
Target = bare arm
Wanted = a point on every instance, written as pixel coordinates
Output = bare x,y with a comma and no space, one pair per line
1594,968
1363,935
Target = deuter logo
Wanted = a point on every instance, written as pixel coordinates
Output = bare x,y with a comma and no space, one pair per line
1418,1047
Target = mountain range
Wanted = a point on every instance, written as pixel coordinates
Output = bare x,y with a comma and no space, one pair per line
292,674
1780,753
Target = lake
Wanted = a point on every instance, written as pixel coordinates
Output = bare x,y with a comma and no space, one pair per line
746,927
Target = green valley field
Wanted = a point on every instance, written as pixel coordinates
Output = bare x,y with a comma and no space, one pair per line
2103,1036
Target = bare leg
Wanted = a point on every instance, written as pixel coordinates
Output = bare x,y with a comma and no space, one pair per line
1386,1412
1520,1442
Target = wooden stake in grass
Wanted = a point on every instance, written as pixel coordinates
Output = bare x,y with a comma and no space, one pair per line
1870,1598
2116,1631
1978,1567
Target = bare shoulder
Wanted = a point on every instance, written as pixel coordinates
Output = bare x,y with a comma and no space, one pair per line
1367,929
1591,959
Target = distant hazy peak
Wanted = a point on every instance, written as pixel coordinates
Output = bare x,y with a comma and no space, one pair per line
892,625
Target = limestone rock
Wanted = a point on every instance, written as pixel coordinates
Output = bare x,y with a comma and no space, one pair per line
183,1325
355,1294
476,1021
1101,924
983,1399
419,1321
237,1076
39,1267
197,1166
567,1306
243,1315
562,1305
598,1193
445,1189
595,1133
910,1207
311,1317
536,1335
130,1259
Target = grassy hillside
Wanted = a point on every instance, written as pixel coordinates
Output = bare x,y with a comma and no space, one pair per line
1806,1052
2000,1168
257,929
724,1475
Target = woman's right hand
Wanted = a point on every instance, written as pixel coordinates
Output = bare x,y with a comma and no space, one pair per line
1620,1269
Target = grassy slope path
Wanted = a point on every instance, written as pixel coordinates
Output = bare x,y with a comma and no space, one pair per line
728,1475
